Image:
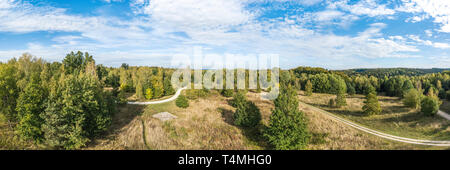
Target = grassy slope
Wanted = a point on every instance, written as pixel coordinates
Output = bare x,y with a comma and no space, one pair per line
395,119
207,124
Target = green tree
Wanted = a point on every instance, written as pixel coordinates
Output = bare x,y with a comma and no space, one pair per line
340,100
412,98
287,128
8,91
308,88
182,101
30,106
371,105
430,105
247,114
148,93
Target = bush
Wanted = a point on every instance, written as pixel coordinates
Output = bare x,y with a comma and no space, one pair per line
371,107
287,128
308,88
340,100
148,93
332,103
247,114
227,92
412,98
182,101
430,105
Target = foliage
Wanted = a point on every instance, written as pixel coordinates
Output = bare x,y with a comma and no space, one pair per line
412,99
227,92
8,91
308,88
247,114
148,93
182,101
30,106
371,105
287,128
430,105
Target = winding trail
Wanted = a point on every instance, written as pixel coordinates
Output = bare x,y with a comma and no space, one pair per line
339,119
160,101
443,114
377,133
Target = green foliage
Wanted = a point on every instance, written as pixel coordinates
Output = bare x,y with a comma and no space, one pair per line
287,128
148,93
351,89
371,105
75,62
332,103
340,100
412,98
227,92
121,98
77,109
8,91
430,105
182,101
247,114
308,88
30,106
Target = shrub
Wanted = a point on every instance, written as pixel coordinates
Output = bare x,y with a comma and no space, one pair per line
340,100
247,114
371,107
412,99
448,94
308,88
148,93
182,101
332,103
227,92
429,105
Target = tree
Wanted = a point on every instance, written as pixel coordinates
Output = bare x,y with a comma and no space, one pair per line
308,88
77,109
371,105
287,126
340,100
448,94
30,106
351,89
412,98
8,91
148,93
430,105
247,114
182,101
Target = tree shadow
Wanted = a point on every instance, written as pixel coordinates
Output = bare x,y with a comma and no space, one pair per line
346,112
253,134
123,116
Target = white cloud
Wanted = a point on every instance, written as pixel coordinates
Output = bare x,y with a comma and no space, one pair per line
370,8
437,9
429,43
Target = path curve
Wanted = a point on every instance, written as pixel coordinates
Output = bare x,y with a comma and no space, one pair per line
160,101
443,114
377,133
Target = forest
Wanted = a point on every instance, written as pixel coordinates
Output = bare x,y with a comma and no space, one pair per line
64,105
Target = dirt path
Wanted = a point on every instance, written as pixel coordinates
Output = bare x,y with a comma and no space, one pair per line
443,114
377,133
161,101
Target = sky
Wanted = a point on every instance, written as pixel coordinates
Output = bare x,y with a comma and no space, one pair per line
335,34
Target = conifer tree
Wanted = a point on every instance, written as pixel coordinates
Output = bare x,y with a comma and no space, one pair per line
287,128
308,88
371,105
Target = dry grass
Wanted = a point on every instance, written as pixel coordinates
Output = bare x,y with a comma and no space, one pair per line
395,119
207,124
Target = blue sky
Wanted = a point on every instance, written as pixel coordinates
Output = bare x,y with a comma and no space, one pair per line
337,34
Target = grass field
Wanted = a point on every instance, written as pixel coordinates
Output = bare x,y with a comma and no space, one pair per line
395,119
207,124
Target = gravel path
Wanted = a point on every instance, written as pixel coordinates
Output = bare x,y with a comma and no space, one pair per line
161,101
377,133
